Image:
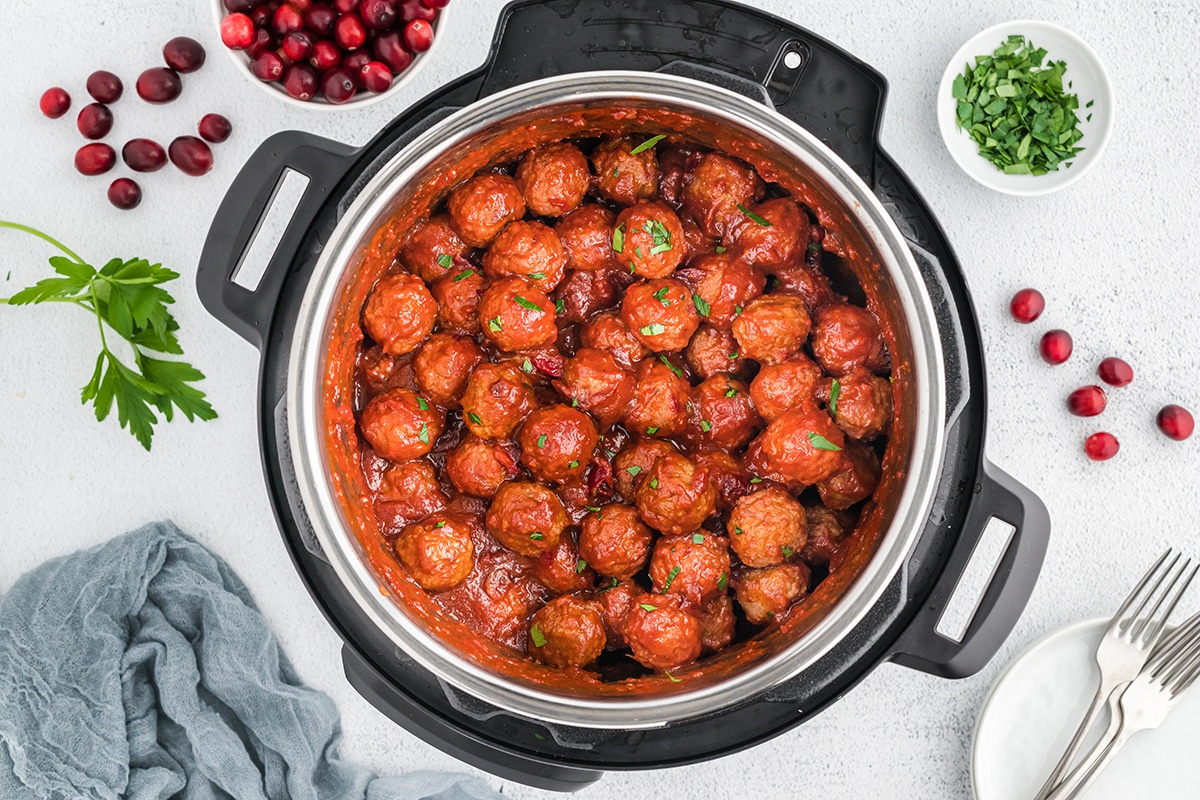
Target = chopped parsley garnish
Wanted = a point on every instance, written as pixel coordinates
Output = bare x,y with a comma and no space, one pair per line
646,145
697,538
537,276
755,217
466,273
648,607
733,356
660,235
701,305
653,429
756,479
580,566
737,310
637,251
446,261
618,238
678,372
471,415
731,392
494,324
720,249
661,296
813,247
558,305
654,483
834,392
422,404
537,536
634,470
722,582
539,638
705,425
424,434
737,530
653,329
574,402
593,508
542,441
527,365
572,464
523,303
670,579
821,443
617,172
787,551
440,524
667,672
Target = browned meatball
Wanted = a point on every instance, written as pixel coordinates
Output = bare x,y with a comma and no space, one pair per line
767,527
765,594
676,165
478,467
724,286
698,242
622,176
497,400
660,401
561,570
516,315
609,332
660,314
400,313
712,352
400,425
717,621
527,518
691,565
567,632
777,244
557,442
825,535
616,601
722,414
594,381
409,491
553,178
583,294
443,365
676,496
614,541
660,633
778,387
845,337
810,285
856,481
433,249
864,403
378,369
719,185
458,298
481,207
527,250
772,328
586,235
727,474
633,462
800,448
648,239
437,552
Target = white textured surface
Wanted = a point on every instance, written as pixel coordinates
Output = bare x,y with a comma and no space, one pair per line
1115,255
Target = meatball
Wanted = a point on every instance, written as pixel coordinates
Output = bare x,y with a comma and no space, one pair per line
660,633
561,570
772,328
586,235
437,552
458,297
778,387
727,475
845,337
724,286
660,401
614,541
378,369
660,313
648,239
767,527
621,175
557,442
856,481
399,314
609,332
516,315
719,185
616,601
582,294
567,632
478,467
676,496
777,244
722,414
497,400
825,535
800,448
676,165
593,380
691,565
717,621
443,365
864,404
765,594
433,249
497,599
553,178
809,284
713,351
527,518
527,250
698,242
632,463
409,492
400,425
481,207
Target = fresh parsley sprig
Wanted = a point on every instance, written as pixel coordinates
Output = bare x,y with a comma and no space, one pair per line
127,299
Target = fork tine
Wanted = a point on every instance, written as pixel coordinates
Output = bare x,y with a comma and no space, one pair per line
1186,659
1155,632
1142,623
1118,620
1171,646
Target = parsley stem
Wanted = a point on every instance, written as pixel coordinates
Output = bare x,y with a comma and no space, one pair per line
99,319
45,237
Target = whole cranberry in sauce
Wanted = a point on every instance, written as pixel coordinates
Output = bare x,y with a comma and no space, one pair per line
191,155
159,85
1087,401
105,87
1027,305
1115,372
237,31
1176,422
125,194
1101,446
95,158
144,155
1056,346
94,121
183,54
55,102
214,128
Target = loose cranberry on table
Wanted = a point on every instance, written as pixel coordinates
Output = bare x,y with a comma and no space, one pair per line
1176,422
237,31
125,194
1101,446
159,85
94,121
144,155
1056,346
105,87
1087,401
1027,305
55,102
191,155
1115,372
183,54
95,158
214,128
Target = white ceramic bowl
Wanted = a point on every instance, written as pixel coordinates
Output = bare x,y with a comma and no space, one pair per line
363,98
1088,80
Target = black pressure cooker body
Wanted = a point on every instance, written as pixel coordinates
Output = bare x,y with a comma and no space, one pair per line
834,96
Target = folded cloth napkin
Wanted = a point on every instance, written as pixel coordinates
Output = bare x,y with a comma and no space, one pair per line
141,669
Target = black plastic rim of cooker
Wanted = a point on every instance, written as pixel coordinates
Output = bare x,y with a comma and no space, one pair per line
840,100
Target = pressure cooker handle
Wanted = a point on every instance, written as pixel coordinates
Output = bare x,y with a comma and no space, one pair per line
248,310
926,645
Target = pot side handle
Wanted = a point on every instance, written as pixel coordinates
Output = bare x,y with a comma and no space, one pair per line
998,497
248,311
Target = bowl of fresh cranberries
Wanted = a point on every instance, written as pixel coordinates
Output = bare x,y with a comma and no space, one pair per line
330,53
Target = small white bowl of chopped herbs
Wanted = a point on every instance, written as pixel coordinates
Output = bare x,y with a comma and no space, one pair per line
1025,107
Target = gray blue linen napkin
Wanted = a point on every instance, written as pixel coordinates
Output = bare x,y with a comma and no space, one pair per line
142,669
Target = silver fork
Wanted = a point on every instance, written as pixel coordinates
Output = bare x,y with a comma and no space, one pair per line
1173,668
1126,645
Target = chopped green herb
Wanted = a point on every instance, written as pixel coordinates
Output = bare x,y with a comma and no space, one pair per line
660,235
539,638
653,429
632,269
574,402
731,392
466,273
542,441
720,249
422,404
722,582
471,415
671,578
835,391
705,425
424,434
821,443
527,365
701,305
787,551
697,538
523,303
637,251
537,536
661,296
618,238
737,310
737,530
654,483
617,172
446,261
593,508
813,247
634,470
537,276
559,305
653,329
646,145
494,324
755,217
572,464
580,566
648,607
667,672
732,356
440,524
678,372
611,454
756,479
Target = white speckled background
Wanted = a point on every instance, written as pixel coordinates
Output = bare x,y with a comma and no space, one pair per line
1115,255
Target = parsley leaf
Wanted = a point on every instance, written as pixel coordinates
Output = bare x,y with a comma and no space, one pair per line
653,329
618,238
834,393
529,304
755,217
634,470
701,305
671,576
821,443
646,145
539,638
678,372
466,273
445,261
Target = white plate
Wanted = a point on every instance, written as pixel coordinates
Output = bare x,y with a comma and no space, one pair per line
1088,79
1033,711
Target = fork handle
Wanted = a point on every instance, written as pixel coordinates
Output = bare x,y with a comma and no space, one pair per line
1095,769
1064,764
1079,779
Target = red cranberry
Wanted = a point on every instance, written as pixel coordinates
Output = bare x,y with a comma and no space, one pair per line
349,32
55,102
1087,401
414,9
215,128
287,18
435,4
263,40
191,155
244,6
418,35
377,14
267,66
1056,346
183,54
297,45
300,81
261,16
95,158
144,155
375,76
125,194
237,31
301,5
1101,446
325,56
319,19
1176,422
94,121
105,87
355,63
389,48
1115,372
338,86
159,85
1027,305
345,6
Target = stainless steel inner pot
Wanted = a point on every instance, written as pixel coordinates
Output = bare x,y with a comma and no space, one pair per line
895,288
